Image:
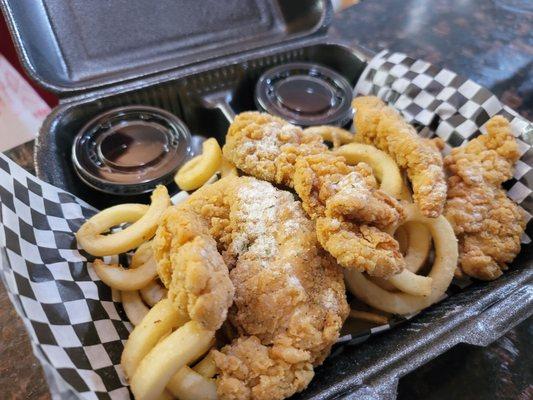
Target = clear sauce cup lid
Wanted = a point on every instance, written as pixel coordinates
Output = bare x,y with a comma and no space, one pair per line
129,150
305,94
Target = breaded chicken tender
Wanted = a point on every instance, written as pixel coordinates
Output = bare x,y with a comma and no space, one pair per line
328,186
270,148
384,127
191,267
375,251
267,147
289,300
487,223
488,158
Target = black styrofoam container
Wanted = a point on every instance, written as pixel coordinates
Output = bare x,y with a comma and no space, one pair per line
179,92
96,66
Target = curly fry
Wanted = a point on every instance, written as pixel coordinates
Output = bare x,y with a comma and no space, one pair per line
134,307
157,368
197,171
333,134
227,168
442,272
383,166
369,316
117,277
153,293
144,219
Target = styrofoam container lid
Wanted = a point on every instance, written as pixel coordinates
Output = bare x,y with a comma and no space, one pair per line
78,45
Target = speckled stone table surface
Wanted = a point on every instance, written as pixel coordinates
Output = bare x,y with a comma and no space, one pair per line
490,41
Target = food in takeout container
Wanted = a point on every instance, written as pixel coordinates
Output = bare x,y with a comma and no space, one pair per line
210,84
239,252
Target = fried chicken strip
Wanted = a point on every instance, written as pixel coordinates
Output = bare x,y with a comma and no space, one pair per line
487,223
272,149
289,303
384,127
330,187
289,298
191,267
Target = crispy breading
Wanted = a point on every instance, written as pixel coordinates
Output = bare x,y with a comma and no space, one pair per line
384,127
487,223
248,360
328,186
289,300
200,280
372,250
191,267
267,147
272,149
488,158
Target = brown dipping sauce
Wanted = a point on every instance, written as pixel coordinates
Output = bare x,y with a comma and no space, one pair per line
134,146
305,94
131,149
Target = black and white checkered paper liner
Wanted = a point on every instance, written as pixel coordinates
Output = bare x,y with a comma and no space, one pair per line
77,325
438,102
441,103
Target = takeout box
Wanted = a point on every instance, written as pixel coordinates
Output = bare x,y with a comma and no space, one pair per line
177,53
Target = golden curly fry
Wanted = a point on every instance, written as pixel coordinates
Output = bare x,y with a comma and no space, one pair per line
169,356
333,134
206,367
187,384
90,235
446,256
411,283
142,254
117,277
159,321
419,240
153,293
134,307
383,166
197,171
227,168
369,316
154,328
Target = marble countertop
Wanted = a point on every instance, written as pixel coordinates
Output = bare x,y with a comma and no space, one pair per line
490,41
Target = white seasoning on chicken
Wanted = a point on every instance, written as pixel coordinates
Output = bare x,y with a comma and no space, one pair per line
329,300
279,276
269,143
258,211
353,186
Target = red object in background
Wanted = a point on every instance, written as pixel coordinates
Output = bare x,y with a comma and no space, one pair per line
8,50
